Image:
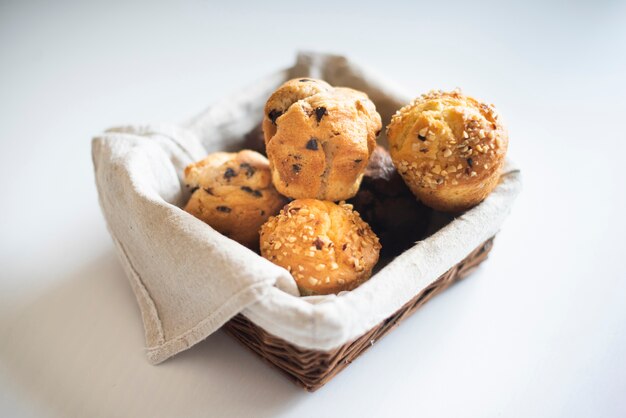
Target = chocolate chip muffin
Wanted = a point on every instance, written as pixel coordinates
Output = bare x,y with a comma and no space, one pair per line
319,139
389,207
233,193
449,148
326,247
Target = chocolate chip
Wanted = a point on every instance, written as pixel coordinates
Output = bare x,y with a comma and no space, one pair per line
319,113
470,162
208,190
319,244
249,169
304,80
274,114
224,209
378,132
358,160
424,150
193,189
421,138
229,173
344,246
255,193
262,212
312,144
296,168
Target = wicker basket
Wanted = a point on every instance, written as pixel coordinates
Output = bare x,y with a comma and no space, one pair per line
312,369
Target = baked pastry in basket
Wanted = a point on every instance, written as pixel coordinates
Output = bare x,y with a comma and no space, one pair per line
449,148
319,139
325,246
233,193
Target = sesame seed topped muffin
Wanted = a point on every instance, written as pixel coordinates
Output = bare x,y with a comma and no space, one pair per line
325,246
449,149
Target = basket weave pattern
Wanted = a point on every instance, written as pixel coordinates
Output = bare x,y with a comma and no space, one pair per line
311,369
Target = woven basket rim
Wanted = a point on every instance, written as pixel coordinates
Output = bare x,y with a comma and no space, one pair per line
311,369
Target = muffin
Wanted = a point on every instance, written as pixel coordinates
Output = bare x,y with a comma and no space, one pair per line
449,149
389,207
319,139
325,246
233,193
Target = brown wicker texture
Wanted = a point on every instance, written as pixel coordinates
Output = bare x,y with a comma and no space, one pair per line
311,369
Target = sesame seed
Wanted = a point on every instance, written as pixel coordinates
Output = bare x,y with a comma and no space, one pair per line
341,281
320,267
327,280
447,153
312,281
291,238
277,245
334,266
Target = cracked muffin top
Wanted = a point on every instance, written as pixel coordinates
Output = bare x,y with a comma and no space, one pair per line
319,139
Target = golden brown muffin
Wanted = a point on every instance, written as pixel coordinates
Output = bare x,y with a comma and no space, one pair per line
326,247
319,139
449,149
233,193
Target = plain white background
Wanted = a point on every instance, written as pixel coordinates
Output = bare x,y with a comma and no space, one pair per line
539,330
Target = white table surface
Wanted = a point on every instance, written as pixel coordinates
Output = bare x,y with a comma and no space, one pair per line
539,330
